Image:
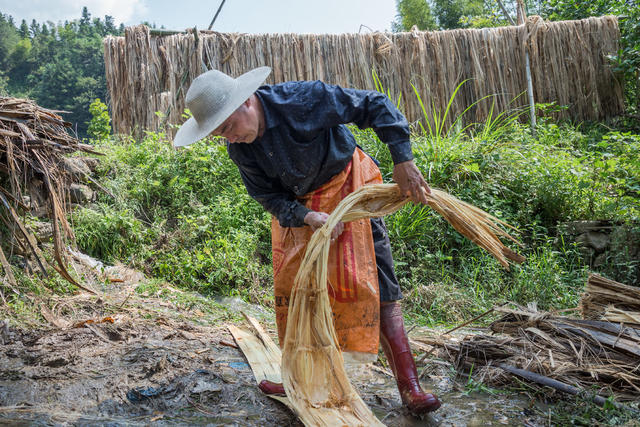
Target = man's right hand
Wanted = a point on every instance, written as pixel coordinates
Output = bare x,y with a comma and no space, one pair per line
411,182
317,219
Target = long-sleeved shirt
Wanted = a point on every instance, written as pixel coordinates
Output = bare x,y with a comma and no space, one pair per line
305,141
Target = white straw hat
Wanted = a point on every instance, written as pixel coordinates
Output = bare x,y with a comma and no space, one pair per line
212,97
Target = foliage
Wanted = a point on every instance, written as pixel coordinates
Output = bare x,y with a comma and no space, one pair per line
450,13
584,412
444,15
60,66
413,12
183,216
99,126
111,233
567,173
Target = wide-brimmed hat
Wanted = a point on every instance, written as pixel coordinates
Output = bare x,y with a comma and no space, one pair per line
212,97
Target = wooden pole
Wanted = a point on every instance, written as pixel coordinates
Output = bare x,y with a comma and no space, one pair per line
532,108
506,13
216,15
522,17
558,385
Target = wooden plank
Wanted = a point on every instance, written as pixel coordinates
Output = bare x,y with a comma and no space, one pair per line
262,354
264,363
610,327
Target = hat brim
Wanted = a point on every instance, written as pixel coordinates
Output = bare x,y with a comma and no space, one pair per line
192,131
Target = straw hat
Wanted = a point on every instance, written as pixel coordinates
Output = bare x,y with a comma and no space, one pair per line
212,97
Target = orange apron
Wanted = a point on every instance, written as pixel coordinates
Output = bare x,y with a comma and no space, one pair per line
352,273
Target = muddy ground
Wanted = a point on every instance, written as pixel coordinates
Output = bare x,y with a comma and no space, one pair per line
158,356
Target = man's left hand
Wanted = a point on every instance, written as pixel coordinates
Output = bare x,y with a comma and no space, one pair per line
411,182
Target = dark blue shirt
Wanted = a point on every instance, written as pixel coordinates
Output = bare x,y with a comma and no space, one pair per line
306,142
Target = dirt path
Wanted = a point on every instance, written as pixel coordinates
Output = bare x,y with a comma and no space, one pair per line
160,356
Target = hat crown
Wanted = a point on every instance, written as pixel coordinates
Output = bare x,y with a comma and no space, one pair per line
208,94
213,97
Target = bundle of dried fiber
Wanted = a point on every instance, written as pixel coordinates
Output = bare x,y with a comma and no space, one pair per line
568,62
606,299
587,354
312,366
33,143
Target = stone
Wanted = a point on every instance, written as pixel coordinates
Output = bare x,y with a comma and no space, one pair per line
597,240
43,231
600,260
91,162
80,193
40,212
575,228
75,166
586,250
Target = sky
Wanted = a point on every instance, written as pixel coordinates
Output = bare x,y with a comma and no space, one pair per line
244,16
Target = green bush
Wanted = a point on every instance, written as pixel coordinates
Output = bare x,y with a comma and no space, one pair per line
181,215
110,233
100,124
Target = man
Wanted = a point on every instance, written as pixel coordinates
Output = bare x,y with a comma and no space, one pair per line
297,158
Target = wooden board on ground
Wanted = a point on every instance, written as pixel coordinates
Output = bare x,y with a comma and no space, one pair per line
262,354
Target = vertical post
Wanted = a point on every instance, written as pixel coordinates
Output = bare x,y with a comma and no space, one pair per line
521,19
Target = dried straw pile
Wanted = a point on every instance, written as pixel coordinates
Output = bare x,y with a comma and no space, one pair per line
605,299
585,354
33,142
312,367
569,66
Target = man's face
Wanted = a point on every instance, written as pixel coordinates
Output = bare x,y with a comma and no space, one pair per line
241,127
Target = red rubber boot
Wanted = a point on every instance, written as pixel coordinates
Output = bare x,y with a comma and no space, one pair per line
269,387
395,344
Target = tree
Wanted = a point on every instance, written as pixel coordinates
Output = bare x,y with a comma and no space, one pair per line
8,39
413,12
24,30
34,28
449,13
85,21
446,14
59,66
109,25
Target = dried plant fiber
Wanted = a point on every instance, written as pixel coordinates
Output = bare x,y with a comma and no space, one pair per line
312,366
569,66
34,143
605,299
592,355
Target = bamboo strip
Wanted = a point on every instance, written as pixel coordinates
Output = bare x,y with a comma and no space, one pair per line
312,366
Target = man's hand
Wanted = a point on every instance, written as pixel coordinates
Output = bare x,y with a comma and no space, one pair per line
410,180
317,219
